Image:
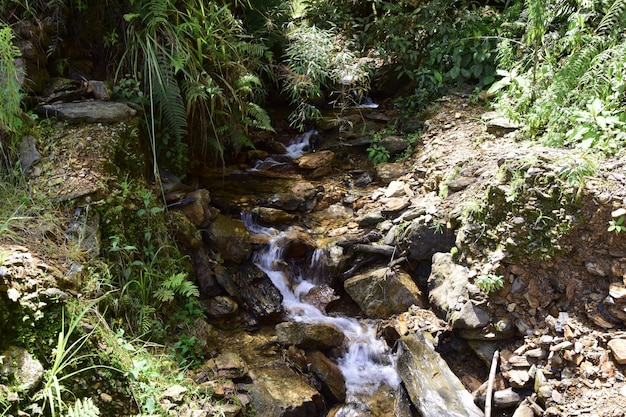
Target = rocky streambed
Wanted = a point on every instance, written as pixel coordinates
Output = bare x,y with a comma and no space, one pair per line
476,243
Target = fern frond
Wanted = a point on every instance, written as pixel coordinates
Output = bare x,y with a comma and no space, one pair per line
86,408
613,19
256,116
607,65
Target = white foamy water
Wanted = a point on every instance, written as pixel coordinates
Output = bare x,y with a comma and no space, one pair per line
298,146
367,362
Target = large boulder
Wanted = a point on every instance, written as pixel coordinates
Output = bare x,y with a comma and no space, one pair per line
423,241
432,386
21,368
258,293
88,111
329,374
384,292
230,238
449,295
308,335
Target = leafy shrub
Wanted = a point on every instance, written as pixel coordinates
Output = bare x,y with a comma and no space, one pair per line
10,89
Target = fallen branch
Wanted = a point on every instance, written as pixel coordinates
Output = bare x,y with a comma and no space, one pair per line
492,377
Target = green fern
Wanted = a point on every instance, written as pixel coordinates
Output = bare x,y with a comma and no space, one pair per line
614,19
86,408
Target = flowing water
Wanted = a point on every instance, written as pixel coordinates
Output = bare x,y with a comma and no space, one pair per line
366,363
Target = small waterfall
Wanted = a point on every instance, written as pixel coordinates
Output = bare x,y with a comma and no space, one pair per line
298,146
367,363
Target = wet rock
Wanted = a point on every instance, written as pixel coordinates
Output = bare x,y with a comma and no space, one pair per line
433,388
383,292
284,201
268,215
19,367
329,375
260,296
296,243
618,347
315,160
230,238
363,180
88,111
307,335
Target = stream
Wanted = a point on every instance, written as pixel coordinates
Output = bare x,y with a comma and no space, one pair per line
367,363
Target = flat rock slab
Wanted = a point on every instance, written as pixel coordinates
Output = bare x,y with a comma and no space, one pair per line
432,386
88,111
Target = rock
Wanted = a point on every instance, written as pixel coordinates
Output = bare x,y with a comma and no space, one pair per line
389,171
88,111
284,201
100,90
315,160
307,335
394,144
459,183
197,208
618,347
393,205
220,306
230,238
329,375
524,410
258,293
21,368
28,153
423,241
398,189
269,215
383,292
433,388
449,295
174,393
296,243
370,219
278,391
227,365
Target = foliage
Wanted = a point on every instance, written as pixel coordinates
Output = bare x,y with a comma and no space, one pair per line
154,297
197,66
428,45
84,408
67,362
10,94
617,225
490,282
574,56
315,61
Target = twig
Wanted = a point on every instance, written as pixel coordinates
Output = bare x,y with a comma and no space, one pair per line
492,376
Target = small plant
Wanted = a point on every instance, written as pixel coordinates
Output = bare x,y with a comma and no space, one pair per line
11,96
490,282
377,153
617,224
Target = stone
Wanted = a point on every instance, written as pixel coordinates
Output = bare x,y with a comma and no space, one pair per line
315,160
88,111
284,201
278,391
460,183
423,241
308,335
197,209
470,316
383,292
398,189
174,393
228,365
523,410
269,215
258,293
448,283
389,171
220,306
230,238
28,153
432,386
329,375
394,144
21,368
618,347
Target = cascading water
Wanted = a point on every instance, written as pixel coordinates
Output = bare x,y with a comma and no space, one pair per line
366,363
297,147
